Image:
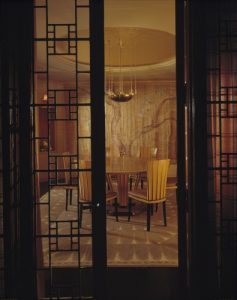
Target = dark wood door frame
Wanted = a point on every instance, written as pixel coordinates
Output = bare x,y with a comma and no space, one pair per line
181,163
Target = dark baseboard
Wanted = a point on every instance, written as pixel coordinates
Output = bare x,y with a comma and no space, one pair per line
125,283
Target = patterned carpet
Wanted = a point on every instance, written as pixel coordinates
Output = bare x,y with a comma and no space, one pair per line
128,243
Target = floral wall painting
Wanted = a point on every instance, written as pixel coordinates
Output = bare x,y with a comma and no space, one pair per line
149,119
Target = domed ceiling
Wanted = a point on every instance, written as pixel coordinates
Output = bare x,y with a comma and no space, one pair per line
139,35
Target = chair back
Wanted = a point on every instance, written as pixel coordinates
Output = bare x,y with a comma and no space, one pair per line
148,152
109,182
157,171
69,163
85,181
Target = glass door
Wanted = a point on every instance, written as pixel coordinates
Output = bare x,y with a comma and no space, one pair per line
68,154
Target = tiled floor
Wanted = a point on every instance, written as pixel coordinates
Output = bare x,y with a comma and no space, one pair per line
128,243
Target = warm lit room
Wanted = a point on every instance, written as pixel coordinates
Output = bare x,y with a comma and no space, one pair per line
118,149
140,123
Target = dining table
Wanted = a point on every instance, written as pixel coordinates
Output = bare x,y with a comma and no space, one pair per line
121,168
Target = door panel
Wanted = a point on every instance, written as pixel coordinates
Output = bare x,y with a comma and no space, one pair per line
69,230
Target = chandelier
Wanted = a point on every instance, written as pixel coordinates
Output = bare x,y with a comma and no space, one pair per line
117,91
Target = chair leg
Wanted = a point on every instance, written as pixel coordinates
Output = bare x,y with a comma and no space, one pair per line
137,180
66,199
116,208
130,183
70,196
129,209
148,226
80,214
164,213
156,207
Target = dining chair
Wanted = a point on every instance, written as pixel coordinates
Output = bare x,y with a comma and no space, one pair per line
155,192
85,188
113,178
110,194
171,180
146,152
172,183
70,175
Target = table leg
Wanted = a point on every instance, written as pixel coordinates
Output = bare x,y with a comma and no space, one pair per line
123,189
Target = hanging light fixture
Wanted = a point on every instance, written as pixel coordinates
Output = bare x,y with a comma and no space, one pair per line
119,94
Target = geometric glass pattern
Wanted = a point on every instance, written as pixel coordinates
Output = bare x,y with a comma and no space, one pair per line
61,139
222,140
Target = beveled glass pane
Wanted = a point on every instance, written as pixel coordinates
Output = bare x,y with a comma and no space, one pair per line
40,22
83,22
83,55
84,115
40,57
84,148
61,11
40,2
41,91
82,2
83,86
61,71
45,247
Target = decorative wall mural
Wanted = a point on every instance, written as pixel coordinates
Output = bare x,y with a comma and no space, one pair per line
148,120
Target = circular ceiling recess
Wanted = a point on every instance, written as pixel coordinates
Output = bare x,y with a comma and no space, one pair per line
132,46
139,46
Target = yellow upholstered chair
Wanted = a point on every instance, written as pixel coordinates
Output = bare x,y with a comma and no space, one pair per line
172,183
155,192
76,179
147,153
171,180
85,188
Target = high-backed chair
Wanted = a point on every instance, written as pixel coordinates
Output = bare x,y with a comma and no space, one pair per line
155,192
171,180
85,191
110,192
146,152
71,180
85,188
83,180
172,183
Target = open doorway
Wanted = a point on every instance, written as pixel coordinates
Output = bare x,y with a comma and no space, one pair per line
140,107
63,128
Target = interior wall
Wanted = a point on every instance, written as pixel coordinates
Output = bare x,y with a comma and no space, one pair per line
149,119
62,133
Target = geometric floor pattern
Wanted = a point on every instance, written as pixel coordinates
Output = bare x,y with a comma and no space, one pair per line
128,243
